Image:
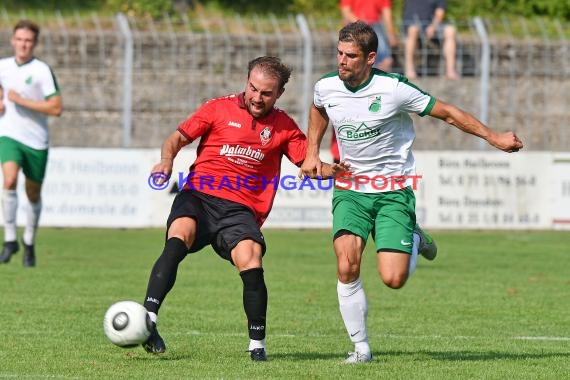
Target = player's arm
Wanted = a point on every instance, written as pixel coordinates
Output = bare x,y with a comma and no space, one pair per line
52,106
347,15
168,152
507,141
318,122
437,19
2,107
331,170
389,26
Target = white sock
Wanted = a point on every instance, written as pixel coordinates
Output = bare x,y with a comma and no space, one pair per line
414,255
10,208
153,317
253,344
32,219
354,311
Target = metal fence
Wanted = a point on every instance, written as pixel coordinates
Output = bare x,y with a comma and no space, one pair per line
129,83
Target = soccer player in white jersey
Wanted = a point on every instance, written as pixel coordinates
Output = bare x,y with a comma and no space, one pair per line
28,95
369,110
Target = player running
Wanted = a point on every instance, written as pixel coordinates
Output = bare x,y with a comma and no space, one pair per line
369,110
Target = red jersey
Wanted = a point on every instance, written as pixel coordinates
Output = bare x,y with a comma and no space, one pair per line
334,148
369,11
239,157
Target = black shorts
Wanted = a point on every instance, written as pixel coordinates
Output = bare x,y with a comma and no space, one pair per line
219,222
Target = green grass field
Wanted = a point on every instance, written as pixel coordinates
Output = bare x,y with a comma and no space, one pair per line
493,305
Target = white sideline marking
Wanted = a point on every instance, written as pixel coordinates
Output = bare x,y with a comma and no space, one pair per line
393,336
542,338
34,376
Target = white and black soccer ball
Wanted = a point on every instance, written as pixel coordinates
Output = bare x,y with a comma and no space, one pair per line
127,324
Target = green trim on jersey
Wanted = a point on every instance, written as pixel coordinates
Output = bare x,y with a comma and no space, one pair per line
57,91
429,107
403,79
23,63
330,75
361,86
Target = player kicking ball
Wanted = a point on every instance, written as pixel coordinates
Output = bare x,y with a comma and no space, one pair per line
241,136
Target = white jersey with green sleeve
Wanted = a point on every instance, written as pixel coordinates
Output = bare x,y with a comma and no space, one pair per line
374,129
32,80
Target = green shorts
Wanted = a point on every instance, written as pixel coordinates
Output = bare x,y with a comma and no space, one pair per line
389,216
32,161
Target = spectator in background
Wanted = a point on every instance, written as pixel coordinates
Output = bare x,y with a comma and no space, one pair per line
335,153
426,16
28,95
378,14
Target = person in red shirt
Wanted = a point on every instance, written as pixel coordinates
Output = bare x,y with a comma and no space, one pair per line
378,14
335,153
229,191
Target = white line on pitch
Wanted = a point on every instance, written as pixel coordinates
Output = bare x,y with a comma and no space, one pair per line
564,338
395,336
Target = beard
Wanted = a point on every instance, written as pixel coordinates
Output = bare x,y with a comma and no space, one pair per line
347,76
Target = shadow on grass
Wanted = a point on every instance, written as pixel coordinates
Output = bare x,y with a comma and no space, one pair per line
162,357
479,356
435,355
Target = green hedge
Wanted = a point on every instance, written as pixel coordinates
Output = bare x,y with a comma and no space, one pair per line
559,9
459,9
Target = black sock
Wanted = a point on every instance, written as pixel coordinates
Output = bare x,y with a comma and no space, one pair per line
254,301
163,274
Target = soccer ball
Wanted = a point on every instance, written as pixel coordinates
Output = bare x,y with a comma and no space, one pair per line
127,324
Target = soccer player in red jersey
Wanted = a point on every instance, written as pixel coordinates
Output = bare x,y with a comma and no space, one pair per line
230,190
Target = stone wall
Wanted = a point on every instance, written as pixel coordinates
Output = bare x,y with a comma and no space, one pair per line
175,72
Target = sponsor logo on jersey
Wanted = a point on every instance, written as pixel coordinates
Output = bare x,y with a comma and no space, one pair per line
242,151
349,132
29,80
265,136
234,124
374,103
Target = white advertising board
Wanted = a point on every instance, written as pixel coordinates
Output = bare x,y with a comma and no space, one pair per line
484,190
560,184
457,190
94,188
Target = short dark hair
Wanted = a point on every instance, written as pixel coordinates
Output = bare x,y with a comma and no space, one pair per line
30,25
361,34
271,66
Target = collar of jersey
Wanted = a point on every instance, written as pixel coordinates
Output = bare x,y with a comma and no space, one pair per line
24,63
361,86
